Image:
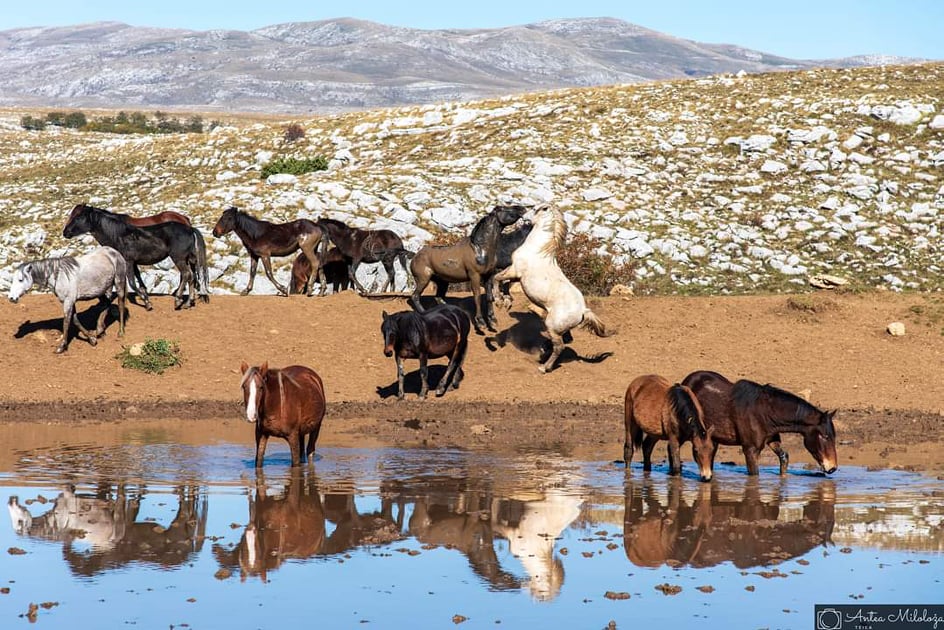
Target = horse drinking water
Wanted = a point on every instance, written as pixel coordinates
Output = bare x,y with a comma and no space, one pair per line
752,416
437,332
74,278
534,264
662,411
288,403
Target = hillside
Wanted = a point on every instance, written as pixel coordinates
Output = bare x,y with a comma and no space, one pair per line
726,184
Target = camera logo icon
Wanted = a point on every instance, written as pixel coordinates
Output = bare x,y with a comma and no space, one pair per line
828,619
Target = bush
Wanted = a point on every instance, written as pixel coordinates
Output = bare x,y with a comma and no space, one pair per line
293,132
295,166
153,356
594,273
32,124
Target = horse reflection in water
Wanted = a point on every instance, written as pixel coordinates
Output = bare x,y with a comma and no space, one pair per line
747,530
101,531
291,525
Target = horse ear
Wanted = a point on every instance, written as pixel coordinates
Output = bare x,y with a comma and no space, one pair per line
385,316
243,367
264,368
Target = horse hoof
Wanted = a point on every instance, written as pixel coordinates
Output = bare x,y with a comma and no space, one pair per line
149,307
542,369
244,292
422,396
60,350
440,393
93,341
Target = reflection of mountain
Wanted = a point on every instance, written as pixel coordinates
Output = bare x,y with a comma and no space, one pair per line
101,532
746,531
909,525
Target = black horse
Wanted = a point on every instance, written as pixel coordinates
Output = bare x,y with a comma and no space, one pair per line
508,242
473,259
147,246
366,246
440,331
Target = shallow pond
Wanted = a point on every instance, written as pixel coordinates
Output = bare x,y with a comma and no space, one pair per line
148,529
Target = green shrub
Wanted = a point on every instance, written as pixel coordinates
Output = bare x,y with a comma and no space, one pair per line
32,124
153,356
592,272
295,166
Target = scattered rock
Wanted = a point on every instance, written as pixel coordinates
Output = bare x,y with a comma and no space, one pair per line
706,589
896,329
669,589
622,290
825,281
457,619
616,595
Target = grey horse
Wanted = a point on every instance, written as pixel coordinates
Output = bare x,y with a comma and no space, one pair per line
74,278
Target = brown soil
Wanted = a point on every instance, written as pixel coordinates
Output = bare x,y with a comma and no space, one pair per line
889,390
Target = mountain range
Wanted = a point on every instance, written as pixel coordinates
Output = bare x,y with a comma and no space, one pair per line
347,64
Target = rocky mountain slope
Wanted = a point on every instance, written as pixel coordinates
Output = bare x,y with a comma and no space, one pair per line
344,64
724,184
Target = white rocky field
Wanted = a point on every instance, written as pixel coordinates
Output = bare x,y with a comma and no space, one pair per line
729,184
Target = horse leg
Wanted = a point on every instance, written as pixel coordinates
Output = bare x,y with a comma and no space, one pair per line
388,266
134,280
308,248
648,443
675,459
352,273
261,440
420,281
267,265
253,265
782,455
455,360
68,312
441,288
399,378
100,326
424,375
475,280
557,346
490,318
750,458
633,434
293,445
312,438
185,279
91,337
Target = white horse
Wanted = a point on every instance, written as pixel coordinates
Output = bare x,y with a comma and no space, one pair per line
93,275
534,264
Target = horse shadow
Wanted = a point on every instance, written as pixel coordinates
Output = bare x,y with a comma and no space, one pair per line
88,317
527,335
412,382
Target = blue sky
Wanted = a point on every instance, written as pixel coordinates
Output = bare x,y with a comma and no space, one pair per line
803,29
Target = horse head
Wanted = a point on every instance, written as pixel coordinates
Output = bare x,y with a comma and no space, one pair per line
253,386
79,221
22,281
691,418
226,222
388,329
820,440
485,234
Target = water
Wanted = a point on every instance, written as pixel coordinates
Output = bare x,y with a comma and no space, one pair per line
150,530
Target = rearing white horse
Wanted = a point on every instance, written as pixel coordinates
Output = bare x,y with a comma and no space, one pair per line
534,264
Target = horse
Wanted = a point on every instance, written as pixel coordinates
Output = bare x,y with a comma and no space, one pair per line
263,239
751,415
367,246
663,411
472,259
153,219
74,278
534,264
334,267
147,246
437,332
288,403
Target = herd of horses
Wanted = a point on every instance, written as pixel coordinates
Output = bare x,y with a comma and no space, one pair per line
511,243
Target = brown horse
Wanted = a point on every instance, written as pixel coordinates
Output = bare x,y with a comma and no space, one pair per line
472,259
288,403
263,239
167,216
665,412
366,246
334,266
437,332
752,416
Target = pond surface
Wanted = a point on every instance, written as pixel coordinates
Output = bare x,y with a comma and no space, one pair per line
152,532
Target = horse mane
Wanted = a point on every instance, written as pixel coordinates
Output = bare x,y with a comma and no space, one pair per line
334,223
475,235
411,327
249,224
113,227
747,393
49,268
684,408
558,230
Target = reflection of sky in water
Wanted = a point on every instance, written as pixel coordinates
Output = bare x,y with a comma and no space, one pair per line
380,582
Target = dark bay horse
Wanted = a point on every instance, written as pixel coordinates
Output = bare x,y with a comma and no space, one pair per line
153,219
147,246
753,416
662,411
366,246
335,268
437,332
263,239
288,403
472,259
73,278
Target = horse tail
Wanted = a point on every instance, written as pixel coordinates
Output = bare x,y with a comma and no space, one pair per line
201,272
121,275
405,256
592,323
683,407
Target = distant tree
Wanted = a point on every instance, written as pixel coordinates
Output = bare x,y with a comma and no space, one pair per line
56,119
75,120
195,124
293,132
31,123
138,120
121,118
